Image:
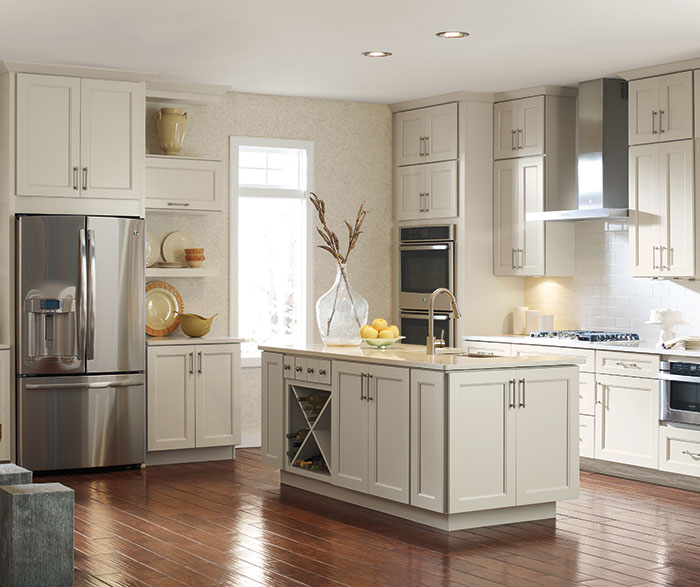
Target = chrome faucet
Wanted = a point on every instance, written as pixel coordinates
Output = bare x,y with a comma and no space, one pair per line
431,342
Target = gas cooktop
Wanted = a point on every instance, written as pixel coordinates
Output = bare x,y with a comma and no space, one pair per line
587,335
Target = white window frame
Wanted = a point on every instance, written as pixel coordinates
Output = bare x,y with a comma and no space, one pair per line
234,248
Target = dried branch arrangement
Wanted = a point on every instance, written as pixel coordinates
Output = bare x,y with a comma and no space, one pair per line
333,247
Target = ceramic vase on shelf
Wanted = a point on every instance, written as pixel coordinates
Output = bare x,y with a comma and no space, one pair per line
171,125
340,312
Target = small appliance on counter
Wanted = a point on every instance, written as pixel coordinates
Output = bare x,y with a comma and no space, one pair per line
667,319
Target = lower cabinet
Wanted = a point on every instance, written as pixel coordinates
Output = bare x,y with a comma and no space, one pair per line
5,406
370,429
193,396
627,420
272,425
587,436
679,450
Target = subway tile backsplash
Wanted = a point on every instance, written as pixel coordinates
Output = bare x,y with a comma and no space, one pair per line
602,295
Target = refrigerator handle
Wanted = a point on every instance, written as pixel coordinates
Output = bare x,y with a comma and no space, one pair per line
82,292
91,296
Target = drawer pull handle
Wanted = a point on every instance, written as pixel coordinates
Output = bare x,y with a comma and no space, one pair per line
627,365
322,371
178,203
692,455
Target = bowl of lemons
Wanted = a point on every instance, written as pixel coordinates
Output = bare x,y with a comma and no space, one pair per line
380,334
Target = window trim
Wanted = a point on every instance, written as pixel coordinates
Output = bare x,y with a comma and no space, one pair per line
235,142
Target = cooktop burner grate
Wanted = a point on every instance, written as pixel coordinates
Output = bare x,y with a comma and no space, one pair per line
588,335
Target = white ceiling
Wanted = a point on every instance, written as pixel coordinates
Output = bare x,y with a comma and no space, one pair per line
312,47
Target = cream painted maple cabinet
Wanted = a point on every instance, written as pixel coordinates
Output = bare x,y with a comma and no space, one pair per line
426,191
661,108
426,135
193,392
370,429
519,128
79,137
184,183
5,406
663,226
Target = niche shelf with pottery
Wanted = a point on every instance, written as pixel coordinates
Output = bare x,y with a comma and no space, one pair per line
181,258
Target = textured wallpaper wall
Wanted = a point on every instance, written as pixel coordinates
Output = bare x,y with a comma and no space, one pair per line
353,152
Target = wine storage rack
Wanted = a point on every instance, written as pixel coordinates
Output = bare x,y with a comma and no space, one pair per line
309,430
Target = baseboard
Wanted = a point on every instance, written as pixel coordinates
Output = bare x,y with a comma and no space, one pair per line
189,455
640,474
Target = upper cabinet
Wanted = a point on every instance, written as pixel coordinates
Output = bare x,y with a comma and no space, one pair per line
518,128
183,183
79,137
426,135
661,108
426,191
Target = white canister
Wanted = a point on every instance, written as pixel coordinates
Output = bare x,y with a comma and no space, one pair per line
545,322
531,321
519,319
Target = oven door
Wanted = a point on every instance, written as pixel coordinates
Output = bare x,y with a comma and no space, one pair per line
414,326
425,268
679,398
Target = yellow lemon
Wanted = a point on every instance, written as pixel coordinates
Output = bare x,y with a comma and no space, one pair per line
370,333
379,324
387,333
363,329
395,330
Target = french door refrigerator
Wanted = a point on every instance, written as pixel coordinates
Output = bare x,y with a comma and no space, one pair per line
80,341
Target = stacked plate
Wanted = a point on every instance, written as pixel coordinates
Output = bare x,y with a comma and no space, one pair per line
173,249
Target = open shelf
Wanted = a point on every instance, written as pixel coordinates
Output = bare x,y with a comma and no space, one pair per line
181,272
309,438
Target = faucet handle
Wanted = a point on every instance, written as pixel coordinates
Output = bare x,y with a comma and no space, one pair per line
440,343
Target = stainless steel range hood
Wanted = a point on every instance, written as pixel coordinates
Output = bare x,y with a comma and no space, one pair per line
602,156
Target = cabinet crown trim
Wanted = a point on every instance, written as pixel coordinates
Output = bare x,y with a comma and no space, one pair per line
662,69
564,91
187,92
103,73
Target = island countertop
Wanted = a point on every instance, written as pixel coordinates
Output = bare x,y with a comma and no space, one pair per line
408,355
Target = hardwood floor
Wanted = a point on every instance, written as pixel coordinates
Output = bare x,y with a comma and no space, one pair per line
228,523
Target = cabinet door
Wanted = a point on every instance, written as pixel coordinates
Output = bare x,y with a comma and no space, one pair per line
179,183
530,258
217,395
505,210
440,133
645,210
586,436
5,406
409,130
171,401
505,130
676,106
428,440
440,190
677,197
389,401
272,411
586,393
644,111
627,420
349,426
112,144
531,126
48,135
410,190
482,424
547,435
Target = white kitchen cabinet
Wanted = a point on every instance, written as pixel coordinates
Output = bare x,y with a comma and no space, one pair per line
426,191
521,425
5,406
370,429
193,396
272,410
519,128
184,183
79,137
519,246
696,98
662,210
587,436
679,449
661,108
627,420
487,349
426,135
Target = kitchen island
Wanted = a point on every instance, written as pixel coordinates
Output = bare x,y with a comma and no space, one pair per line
450,440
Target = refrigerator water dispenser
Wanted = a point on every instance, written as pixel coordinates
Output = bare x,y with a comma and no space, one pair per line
52,327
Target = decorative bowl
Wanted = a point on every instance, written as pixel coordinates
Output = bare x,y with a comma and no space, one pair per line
199,251
195,325
382,342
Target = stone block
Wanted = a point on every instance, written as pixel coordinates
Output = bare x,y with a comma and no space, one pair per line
13,475
36,535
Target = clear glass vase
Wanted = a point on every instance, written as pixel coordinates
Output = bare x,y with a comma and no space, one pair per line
340,312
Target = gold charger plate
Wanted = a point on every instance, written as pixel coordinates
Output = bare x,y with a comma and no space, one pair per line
163,308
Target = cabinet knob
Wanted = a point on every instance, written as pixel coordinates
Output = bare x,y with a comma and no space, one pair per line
287,367
298,369
309,370
322,371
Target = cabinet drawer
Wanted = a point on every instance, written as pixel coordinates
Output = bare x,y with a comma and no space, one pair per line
586,394
586,436
300,368
679,450
288,366
631,364
489,349
588,366
184,184
324,372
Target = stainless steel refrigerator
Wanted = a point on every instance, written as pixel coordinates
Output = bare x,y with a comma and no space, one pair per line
80,341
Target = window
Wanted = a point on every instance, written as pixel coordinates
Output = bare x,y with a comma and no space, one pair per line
270,221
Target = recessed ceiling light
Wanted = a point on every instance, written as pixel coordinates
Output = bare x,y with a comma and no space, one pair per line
452,34
376,53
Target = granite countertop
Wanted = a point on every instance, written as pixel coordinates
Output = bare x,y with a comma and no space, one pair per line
639,346
408,355
175,340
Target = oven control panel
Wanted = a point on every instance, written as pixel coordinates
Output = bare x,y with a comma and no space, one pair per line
690,369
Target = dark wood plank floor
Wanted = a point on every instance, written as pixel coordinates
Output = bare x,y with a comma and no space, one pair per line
229,523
